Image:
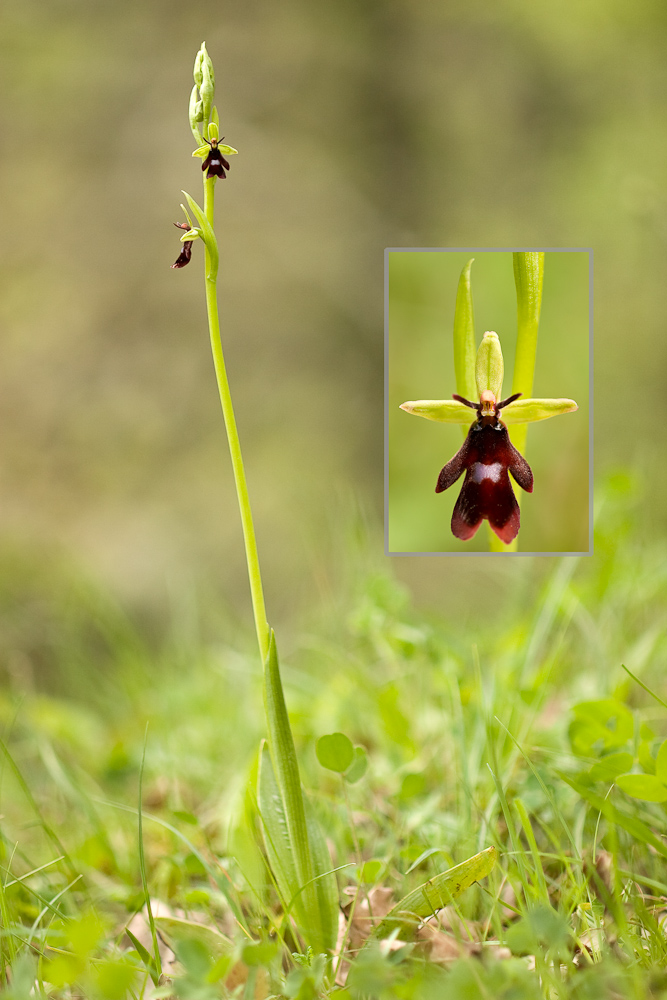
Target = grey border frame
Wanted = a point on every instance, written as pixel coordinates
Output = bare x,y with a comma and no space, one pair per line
591,440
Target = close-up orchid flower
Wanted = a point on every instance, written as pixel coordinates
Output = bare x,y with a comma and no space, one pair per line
492,459
488,455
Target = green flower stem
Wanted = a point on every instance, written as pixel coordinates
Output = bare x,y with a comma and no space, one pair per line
528,278
280,740
249,539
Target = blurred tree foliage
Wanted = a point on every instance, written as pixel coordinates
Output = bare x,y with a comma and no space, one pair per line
360,125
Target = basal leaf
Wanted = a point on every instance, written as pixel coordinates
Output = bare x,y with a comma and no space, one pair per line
175,930
275,831
434,894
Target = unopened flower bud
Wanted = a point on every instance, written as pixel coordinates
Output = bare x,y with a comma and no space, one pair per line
197,72
207,85
194,114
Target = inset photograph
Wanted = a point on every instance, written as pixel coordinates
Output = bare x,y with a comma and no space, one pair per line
488,446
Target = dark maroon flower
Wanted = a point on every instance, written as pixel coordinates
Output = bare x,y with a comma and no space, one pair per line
215,163
186,253
487,457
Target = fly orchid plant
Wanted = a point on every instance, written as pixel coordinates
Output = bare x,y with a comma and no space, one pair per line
488,455
295,846
294,843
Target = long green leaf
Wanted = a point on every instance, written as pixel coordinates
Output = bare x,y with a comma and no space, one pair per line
286,771
433,895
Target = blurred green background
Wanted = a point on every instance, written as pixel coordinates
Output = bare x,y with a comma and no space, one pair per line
422,295
360,125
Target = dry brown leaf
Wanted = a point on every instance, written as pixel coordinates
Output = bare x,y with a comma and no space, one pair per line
444,947
371,907
238,975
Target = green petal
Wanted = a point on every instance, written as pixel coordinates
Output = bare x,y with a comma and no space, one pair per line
227,150
489,367
527,411
202,151
445,411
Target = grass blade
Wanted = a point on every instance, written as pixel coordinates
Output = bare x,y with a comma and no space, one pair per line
144,880
145,957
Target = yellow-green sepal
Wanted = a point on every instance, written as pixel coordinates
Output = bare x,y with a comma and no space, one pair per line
489,366
444,411
203,151
528,411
